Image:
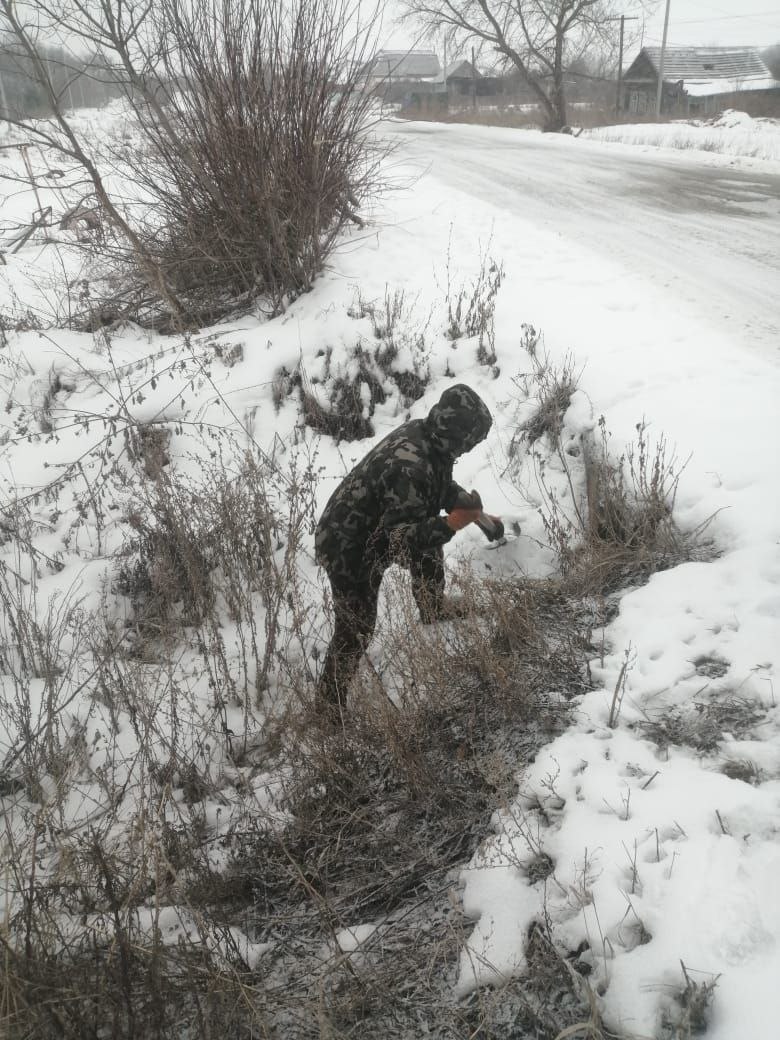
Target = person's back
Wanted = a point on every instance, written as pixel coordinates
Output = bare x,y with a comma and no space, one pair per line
401,478
387,510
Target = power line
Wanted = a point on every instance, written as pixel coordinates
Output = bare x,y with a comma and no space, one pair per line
724,18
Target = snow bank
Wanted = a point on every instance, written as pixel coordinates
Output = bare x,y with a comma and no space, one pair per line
732,133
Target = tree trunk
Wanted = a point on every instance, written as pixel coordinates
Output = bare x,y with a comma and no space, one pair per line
557,120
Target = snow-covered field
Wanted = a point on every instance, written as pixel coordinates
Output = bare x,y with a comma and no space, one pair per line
665,846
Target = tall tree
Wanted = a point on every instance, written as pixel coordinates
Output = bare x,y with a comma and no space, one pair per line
538,38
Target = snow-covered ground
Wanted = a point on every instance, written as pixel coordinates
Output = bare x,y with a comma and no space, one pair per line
731,133
663,853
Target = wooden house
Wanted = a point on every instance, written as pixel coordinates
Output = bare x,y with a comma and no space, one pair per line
393,75
696,80
462,79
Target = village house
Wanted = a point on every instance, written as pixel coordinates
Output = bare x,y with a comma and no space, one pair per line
415,77
394,75
697,80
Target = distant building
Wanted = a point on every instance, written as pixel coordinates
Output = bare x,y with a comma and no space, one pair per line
459,77
462,79
696,80
391,75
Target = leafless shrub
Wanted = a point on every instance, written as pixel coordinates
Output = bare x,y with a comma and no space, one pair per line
471,309
18,319
253,152
148,444
41,673
522,643
622,528
558,1002
554,387
618,523
220,545
269,160
172,559
609,520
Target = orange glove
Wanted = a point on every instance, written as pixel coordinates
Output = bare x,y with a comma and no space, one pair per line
460,518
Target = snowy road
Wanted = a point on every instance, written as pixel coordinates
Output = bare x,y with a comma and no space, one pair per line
703,227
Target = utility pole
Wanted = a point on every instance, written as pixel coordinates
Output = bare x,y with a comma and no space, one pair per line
622,19
658,96
444,75
473,79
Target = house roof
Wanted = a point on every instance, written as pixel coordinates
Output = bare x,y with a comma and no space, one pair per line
403,65
707,70
462,68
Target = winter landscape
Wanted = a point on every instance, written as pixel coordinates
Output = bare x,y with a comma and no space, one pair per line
554,818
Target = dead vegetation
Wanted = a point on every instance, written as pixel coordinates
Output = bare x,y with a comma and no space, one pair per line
688,1015
249,154
390,359
471,308
248,928
609,518
283,879
180,865
704,725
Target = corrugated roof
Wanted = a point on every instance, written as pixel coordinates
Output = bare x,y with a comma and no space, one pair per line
403,65
710,63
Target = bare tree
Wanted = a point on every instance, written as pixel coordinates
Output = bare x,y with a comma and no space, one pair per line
538,38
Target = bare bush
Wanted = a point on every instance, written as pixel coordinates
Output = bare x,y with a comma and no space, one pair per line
471,309
263,157
352,398
41,674
253,151
609,520
221,546
550,386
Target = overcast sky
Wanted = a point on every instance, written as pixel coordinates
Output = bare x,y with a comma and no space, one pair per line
721,23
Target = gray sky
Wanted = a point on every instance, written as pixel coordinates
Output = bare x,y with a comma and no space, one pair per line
721,23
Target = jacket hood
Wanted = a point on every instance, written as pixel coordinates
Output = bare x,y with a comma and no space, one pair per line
459,421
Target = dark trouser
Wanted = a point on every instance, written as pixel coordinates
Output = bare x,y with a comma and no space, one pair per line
354,607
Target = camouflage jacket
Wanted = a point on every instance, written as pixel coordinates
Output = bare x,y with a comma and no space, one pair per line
388,507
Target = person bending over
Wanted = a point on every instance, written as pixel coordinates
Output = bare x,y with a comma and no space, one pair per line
387,511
